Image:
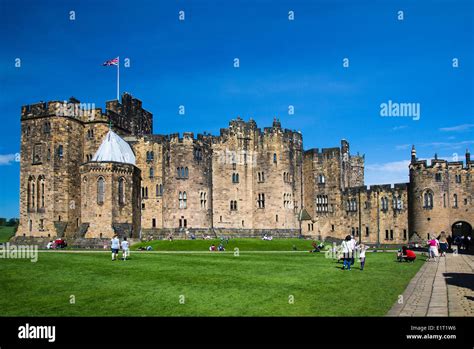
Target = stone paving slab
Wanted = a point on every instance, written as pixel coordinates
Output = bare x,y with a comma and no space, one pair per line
441,288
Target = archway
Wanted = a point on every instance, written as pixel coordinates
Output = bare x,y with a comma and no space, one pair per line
461,228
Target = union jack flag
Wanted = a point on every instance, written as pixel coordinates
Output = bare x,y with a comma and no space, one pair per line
114,61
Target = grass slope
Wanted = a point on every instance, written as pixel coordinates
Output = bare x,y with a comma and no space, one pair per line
213,284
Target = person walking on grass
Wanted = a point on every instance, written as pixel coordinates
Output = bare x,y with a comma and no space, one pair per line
125,249
347,252
362,248
353,243
115,246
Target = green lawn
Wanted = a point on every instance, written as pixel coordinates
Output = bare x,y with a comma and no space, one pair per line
241,244
6,233
212,283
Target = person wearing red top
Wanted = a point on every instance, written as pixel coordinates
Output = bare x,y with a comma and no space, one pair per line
408,255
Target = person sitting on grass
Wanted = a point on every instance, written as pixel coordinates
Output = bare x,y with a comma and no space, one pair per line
220,247
49,245
406,255
212,248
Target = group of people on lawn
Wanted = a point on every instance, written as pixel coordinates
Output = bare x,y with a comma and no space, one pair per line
349,248
116,245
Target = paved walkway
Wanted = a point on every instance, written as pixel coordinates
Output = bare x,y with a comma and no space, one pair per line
442,288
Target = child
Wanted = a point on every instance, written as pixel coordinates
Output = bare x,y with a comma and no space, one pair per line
125,249
362,249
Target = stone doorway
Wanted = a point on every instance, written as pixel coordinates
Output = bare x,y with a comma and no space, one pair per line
461,228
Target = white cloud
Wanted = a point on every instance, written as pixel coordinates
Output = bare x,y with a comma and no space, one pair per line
7,159
387,173
458,128
448,145
403,146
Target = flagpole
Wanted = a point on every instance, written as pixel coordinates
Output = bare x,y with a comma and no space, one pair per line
118,79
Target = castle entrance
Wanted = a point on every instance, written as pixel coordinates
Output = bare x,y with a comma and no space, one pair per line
461,228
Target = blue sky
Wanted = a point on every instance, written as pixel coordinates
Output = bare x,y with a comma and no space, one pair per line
282,63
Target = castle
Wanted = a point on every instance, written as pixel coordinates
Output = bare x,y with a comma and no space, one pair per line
85,173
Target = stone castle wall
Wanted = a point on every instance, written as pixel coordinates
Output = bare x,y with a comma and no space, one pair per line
244,182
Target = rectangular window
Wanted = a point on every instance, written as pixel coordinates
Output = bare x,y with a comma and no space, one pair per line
366,231
391,234
153,223
404,234
386,234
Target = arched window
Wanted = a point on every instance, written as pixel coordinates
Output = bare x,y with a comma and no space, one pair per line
121,190
152,172
178,172
399,203
186,173
180,197
322,179
182,173
60,152
274,158
100,190
455,200
185,204
159,189
428,200
40,192
33,195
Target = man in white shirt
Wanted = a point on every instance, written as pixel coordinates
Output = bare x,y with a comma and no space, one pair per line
125,249
115,246
353,244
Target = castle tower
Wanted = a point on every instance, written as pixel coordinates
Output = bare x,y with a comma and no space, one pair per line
440,198
110,190
51,151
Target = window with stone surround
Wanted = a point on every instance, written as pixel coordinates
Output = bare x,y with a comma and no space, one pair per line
182,196
37,153
203,200
100,190
428,200
159,189
59,152
261,200
235,178
121,190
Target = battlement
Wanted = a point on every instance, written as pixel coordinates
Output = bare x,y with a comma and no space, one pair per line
72,108
387,188
436,164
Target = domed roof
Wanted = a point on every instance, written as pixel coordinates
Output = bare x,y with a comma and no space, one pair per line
114,148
